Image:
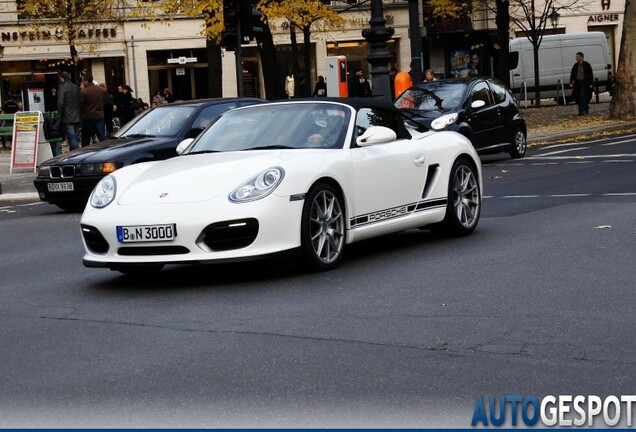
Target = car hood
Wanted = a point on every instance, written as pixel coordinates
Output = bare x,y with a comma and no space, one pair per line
196,178
107,151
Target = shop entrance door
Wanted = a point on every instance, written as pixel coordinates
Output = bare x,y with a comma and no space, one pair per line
181,83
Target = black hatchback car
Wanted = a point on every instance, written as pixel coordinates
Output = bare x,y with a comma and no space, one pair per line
482,109
67,180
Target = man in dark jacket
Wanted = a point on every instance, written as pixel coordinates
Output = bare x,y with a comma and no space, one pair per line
92,106
68,109
582,81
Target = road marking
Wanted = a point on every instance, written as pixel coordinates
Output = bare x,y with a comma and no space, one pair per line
628,138
572,195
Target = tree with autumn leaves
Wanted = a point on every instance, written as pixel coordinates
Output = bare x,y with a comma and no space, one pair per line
73,17
305,15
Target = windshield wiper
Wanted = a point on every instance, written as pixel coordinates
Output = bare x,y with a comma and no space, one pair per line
202,152
407,114
138,136
271,147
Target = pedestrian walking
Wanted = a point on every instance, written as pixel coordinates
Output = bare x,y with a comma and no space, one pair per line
9,107
429,75
108,110
92,108
359,85
320,90
68,110
582,83
290,85
168,96
123,102
158,99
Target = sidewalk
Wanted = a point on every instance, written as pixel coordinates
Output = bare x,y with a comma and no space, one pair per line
554,122
549,123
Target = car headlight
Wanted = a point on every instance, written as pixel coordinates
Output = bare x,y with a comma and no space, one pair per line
258,186
104,192
443,121
44,171
99,168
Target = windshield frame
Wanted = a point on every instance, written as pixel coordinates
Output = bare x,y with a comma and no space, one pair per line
434,96
276,126
153,122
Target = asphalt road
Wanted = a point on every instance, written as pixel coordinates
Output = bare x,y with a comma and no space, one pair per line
408,332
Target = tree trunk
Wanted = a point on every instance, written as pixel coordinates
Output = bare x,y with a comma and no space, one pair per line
215,69
306,88
271,72
74,69
503,40
623,104
537,92
294,54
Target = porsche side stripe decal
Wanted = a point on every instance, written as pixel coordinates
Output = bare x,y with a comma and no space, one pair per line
396,212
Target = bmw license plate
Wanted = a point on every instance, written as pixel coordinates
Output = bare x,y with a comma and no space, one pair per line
60,187
146,233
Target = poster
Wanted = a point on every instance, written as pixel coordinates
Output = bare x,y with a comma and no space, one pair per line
36,99
460,62
26,132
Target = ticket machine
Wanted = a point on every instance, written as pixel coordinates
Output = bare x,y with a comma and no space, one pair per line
337,76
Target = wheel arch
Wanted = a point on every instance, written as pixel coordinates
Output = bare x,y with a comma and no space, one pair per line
336,185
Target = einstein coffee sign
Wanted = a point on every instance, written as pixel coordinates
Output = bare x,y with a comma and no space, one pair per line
90,34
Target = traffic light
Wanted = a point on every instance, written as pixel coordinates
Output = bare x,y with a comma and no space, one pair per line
230,12
239,18
229,38
252,25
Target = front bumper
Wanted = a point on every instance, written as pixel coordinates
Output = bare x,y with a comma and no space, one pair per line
82,188
211,231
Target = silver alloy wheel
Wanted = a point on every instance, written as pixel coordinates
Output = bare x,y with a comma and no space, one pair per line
520,142
466,196
326,226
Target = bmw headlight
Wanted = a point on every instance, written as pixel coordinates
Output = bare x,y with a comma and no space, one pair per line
443,121
104,192
44,171
99,168
258,186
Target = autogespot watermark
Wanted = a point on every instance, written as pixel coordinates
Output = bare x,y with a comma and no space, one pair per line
560,410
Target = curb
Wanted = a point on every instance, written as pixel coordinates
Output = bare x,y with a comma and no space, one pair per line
623,127
25,196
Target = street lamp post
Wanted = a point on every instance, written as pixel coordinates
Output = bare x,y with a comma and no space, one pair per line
554,19
379,56
1,64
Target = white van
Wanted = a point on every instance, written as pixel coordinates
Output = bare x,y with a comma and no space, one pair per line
557,55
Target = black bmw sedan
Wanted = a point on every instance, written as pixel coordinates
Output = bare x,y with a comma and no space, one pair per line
67,180
480,108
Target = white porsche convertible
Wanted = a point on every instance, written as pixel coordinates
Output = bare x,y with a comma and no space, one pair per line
305,175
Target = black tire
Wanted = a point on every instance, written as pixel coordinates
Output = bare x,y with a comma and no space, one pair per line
464,201
323,228
139,270
519,144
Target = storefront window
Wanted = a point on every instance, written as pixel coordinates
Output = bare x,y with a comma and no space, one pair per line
357,51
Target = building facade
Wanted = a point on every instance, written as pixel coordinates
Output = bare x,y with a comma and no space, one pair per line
151,56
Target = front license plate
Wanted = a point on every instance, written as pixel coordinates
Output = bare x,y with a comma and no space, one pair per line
60,187
146,233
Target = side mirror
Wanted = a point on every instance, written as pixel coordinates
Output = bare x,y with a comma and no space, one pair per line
477,104
376,135
184,145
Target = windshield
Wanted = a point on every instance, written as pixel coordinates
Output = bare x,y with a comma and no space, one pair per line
433,96
164,121
277,126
